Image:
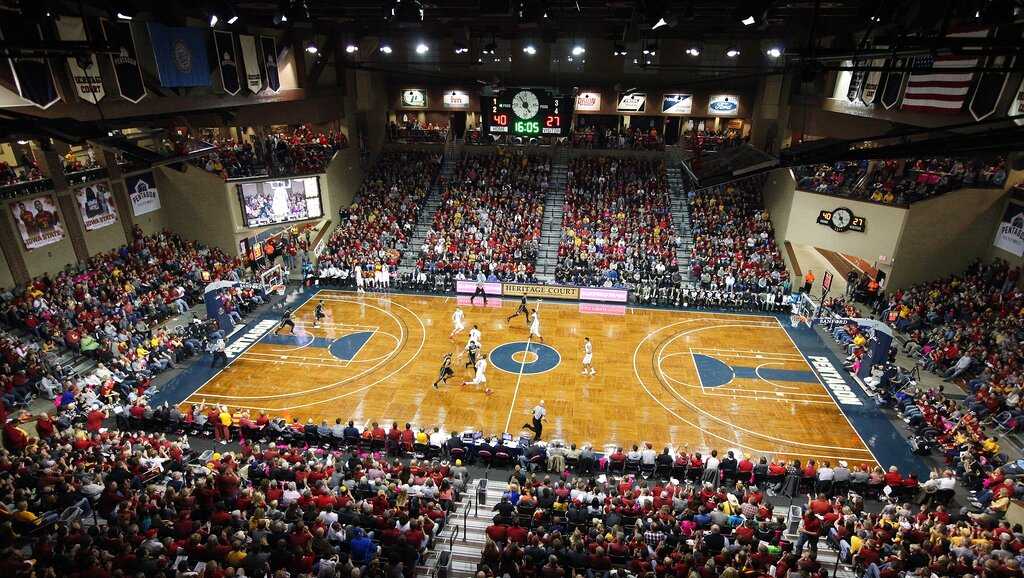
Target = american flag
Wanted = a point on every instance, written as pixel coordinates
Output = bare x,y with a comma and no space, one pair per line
935,90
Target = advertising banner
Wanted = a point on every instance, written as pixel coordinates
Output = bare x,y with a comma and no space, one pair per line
724,105
677,104
97,205
1010,235
143,193
588,102
414,98
632,102
38,221
456,99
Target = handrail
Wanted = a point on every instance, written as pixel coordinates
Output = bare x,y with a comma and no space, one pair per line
465,519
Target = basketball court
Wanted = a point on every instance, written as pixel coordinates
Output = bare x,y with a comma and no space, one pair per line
701,379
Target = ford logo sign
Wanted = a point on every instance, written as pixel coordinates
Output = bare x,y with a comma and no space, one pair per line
723,106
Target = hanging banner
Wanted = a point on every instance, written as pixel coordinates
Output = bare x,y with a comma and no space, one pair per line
251,62
455,99
1017,105
84,69
723,105
97,205
180,54
632,102
588,102
269,47
33,76
893,88
856,82
872,82
38,222
1010,235
143,193
677,104
414,98
990,86
126,62
224,42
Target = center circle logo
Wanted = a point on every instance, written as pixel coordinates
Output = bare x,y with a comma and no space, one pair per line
524,357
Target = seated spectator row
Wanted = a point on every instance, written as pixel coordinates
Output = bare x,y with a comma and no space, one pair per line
300,151
413,131
733,241
969,328
635,139
375,229
490,217
617,221
109,310
900,181
130,504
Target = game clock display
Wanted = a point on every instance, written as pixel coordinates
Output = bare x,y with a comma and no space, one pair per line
525,112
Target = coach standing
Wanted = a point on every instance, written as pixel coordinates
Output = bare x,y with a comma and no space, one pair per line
539,413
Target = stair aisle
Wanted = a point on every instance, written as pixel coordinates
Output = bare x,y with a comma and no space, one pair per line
426,216
471,519
680,215
554,206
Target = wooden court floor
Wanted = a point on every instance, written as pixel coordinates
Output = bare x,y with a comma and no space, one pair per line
706,380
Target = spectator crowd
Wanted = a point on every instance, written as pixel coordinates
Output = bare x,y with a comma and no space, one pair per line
734,247
617,222
901,181
490,217
376,228
298,151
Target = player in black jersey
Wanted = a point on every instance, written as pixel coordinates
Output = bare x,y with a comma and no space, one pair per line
286,320
318,313
446,370
472,348
522,310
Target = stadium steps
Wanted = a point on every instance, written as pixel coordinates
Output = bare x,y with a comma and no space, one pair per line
554,207
680,215
464,535
427,211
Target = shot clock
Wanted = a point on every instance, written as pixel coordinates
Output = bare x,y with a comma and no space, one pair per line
525,112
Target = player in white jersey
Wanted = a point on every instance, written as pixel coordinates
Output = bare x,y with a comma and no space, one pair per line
480,378
588,357
358,274
475,336
458,323
535,326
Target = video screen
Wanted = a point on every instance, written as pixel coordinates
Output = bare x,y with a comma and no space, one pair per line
280,201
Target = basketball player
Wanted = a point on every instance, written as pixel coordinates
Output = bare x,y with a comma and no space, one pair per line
480,378
535,326
286,320
475,336
522,310
588,357
458,323
480,280
472,348
446,370
318,313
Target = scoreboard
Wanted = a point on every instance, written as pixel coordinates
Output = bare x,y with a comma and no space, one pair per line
526,112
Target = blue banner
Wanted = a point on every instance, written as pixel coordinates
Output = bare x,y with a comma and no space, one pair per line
180,55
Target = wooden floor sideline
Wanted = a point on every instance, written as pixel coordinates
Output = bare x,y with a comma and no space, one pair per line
699,379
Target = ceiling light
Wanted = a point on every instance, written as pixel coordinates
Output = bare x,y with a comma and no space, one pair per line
312,48
233,19
490,48
732,52
385,48
213,20
661,22
461,48
749,21
619,50
123,16
25,142
693,51
530,49
350,48
578,50
422,48
774,52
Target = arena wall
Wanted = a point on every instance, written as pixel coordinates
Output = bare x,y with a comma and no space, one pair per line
195,205
942,235
794,214
6,277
